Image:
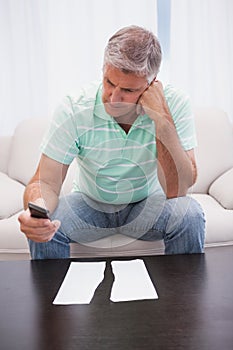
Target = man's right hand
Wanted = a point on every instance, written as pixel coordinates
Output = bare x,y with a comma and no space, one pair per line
37,230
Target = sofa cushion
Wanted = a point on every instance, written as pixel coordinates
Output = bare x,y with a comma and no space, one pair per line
117,245
214,153
222,189
219,221
11,196
25,153
12,240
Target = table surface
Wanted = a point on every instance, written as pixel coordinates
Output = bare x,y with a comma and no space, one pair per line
194,309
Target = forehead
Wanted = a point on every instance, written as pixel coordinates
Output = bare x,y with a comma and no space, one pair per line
123,79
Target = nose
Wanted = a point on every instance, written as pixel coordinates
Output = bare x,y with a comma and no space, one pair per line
116,95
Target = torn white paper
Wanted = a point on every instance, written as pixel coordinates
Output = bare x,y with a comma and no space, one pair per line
132,281
80,283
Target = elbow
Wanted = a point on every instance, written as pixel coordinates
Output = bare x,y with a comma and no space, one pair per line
178,186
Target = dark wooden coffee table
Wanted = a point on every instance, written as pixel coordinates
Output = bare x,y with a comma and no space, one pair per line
194,309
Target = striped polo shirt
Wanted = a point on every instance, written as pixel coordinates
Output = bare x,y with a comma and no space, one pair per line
113,166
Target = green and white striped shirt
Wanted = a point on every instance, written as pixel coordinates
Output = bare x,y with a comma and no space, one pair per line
113,166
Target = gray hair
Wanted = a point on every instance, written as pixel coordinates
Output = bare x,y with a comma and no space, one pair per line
135,50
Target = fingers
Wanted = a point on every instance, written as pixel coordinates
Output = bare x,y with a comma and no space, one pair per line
150,88
152,100
38,230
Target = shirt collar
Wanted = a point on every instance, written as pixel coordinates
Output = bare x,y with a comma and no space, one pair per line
99,109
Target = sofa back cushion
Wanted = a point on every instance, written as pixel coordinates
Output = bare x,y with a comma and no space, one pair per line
214,153
5,145
25,152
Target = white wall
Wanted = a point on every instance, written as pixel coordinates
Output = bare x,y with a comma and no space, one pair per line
49,47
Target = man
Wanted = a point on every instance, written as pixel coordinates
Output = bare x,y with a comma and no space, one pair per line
134,143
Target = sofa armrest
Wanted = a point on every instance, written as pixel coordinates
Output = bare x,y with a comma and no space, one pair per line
222,189
5,144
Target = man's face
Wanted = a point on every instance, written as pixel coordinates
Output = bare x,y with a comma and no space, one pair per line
121,91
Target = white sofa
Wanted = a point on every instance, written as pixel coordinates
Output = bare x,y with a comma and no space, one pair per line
19,155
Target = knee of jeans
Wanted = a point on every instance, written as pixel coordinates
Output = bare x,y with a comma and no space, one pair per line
196,216
195,210
186,211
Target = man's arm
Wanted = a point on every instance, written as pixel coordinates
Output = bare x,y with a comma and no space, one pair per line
43,189
176,167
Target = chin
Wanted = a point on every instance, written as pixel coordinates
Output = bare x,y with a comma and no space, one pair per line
114,112
118,111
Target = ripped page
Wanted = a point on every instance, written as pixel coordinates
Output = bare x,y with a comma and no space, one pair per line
80,283
132,281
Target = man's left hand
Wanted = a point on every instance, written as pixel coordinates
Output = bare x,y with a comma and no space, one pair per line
153,102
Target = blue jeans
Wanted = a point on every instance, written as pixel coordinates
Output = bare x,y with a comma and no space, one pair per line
179,222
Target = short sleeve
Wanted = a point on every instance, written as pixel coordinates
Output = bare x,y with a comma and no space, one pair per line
181,111
60,141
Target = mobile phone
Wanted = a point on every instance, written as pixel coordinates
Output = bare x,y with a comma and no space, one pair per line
38,212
